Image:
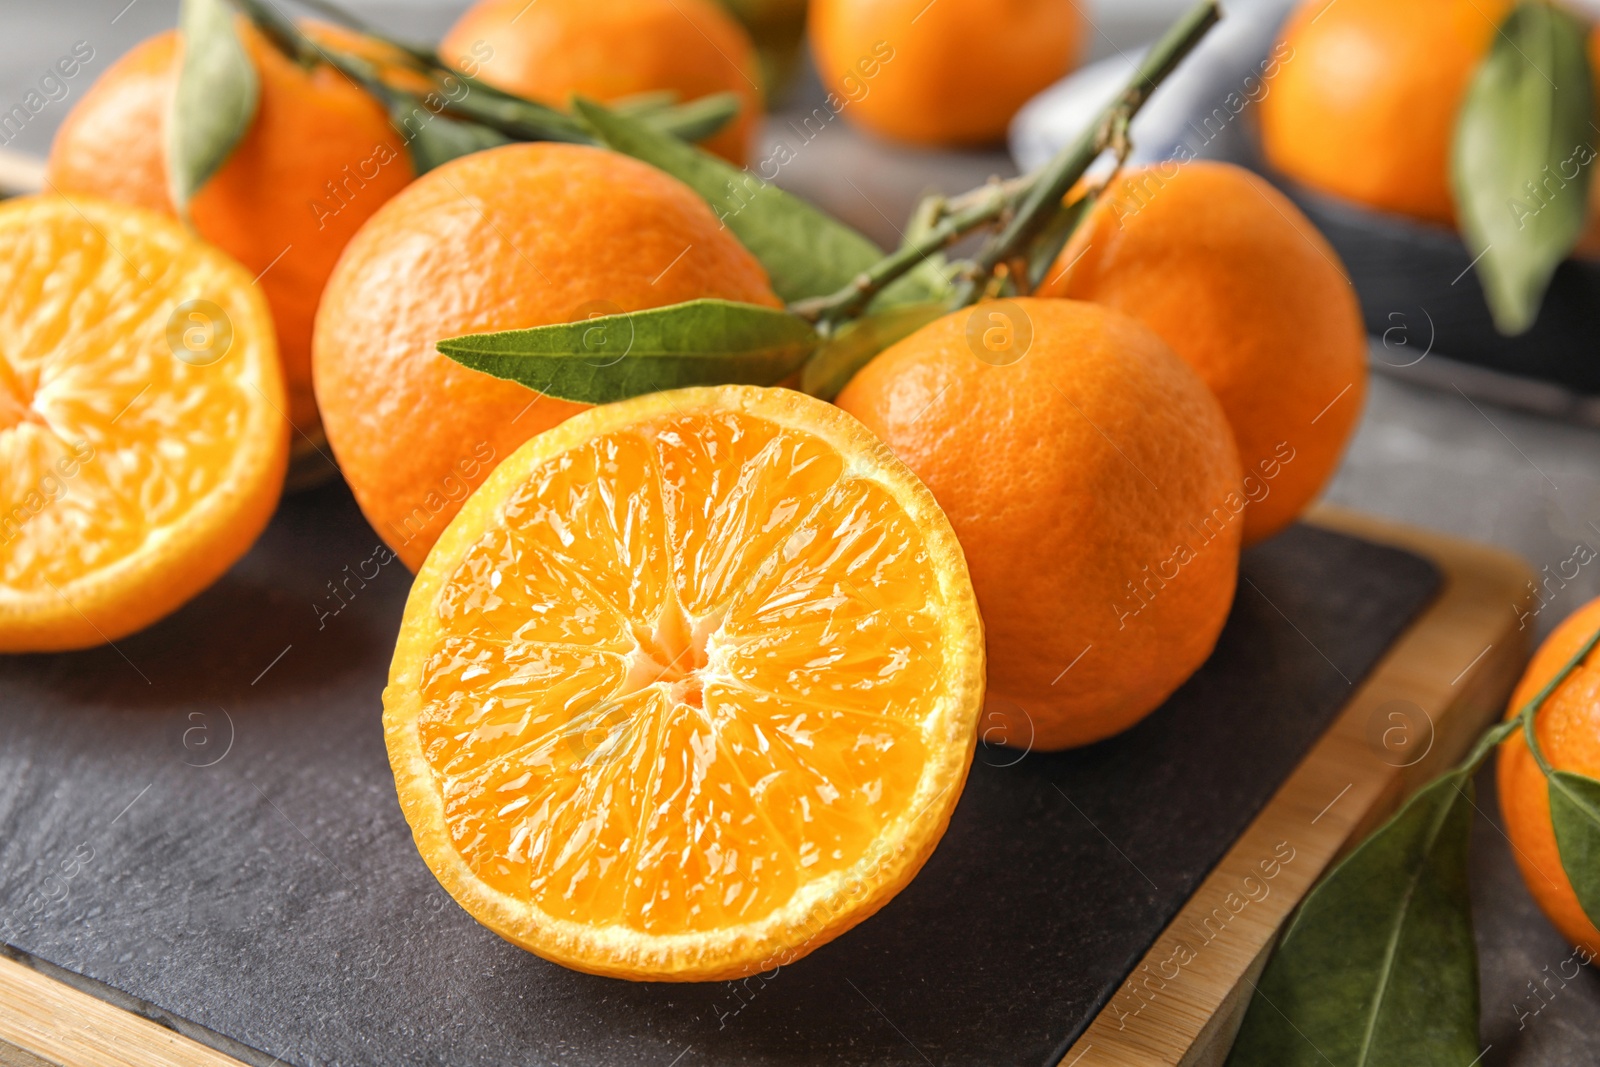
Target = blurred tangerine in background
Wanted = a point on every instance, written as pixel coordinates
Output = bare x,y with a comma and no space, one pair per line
554,49
1365,107
950,73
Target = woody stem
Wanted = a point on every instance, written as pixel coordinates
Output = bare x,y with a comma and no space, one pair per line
1045,194
1025,205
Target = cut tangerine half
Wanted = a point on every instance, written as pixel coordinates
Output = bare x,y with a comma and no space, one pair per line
142,447
688,688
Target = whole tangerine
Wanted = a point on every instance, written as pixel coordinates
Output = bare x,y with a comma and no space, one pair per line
554,49
944,74
515,237
1568,727
1239,282
1093,483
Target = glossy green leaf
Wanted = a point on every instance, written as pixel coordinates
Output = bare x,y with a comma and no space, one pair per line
1379,966
858,343
613,357
1522,158
1575,811
806,253
215,100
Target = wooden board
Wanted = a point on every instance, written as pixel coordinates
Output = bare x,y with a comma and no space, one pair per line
1454,663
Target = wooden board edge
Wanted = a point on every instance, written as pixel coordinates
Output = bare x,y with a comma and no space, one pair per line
1185,999
45,1021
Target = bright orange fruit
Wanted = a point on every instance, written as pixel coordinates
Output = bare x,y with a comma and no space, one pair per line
689,687
1569,735
141,445
1239,282
951,72
553,49
519,236
1095,487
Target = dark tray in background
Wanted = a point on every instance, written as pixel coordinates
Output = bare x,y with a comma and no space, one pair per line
217,787
1420,293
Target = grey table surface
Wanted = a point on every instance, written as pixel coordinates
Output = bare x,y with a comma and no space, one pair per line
1443,456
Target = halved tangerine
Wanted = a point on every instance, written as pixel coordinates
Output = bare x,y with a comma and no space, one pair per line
688,688
142,440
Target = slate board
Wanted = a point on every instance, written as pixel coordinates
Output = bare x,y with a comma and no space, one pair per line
201,822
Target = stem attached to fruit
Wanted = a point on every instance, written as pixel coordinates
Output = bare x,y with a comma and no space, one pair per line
1525,718
848,303
505,113
1051,185
1026,204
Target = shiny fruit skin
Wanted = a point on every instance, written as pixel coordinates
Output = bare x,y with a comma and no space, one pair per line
553,49
1569,735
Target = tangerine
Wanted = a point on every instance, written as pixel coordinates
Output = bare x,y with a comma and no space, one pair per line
518,236
554,49
1095,487
1568,728
949,73
141,445
1239,282
688,688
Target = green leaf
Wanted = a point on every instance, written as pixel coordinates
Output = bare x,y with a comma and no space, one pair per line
1521,160
435,139
858,343
613,357
215,100
697,119
519,119
806,253
1575,811
1379,966
643,105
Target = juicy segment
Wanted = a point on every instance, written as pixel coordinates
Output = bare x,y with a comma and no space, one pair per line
689,667
105,437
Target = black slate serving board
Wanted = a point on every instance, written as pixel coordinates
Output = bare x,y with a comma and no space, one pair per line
200,823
